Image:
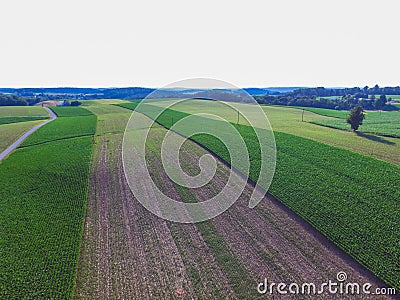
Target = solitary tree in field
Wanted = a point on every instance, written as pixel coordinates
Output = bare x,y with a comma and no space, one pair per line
356,117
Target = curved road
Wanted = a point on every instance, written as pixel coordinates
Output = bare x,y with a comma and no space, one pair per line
26,134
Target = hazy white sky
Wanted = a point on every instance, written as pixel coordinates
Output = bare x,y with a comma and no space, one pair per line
152,43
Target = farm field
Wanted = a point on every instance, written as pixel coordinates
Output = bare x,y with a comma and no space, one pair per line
385,124
121,256
379,123
22,111
74,230
394,97
16,120
288,120
43,195
10,120
104,101
70,111
340,114
11,132
325,171
64,128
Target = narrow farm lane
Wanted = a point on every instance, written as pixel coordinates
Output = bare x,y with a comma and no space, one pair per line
22,138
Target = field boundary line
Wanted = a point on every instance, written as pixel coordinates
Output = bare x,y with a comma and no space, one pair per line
55,140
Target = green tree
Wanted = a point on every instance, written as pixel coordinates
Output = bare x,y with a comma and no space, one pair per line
356,117
75,103
380,102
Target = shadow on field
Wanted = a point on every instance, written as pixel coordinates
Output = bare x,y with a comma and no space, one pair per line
374,138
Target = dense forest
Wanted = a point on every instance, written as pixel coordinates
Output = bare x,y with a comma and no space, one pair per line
12,100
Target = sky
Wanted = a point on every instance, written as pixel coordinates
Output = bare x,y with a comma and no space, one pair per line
87,43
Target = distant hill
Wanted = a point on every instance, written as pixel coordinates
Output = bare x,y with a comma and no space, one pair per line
129,93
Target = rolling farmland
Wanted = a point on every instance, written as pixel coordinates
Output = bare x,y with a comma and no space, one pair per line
9,120
22,111
121,256
43,192
63,128
11,132
288,120
16,120
324,171
384,124
74,230
379,123
70,111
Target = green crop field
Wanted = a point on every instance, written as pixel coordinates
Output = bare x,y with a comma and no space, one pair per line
288,120
110,118
72,229
380,123
334,190
386,123
103,101
22,111
43,194
341,114
16,114
70,111
9,120
63,128
11,132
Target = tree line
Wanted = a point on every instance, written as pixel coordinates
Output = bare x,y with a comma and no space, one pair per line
358,92
344,103
12,100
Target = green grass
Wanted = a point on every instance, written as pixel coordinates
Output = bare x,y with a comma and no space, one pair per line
331,97
341,114
9,133
394,97
43,195
23,111
70,111
384,124
288,120
103,101
129,105
350,198
9,120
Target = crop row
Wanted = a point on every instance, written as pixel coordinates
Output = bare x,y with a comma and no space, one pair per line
352,199
70,111
43,195
9,120
63,128
235,271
